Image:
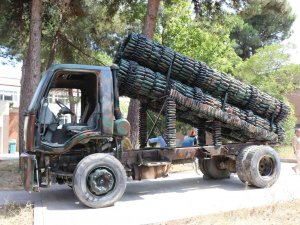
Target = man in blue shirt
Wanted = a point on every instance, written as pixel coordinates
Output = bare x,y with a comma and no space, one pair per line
160,140
190,141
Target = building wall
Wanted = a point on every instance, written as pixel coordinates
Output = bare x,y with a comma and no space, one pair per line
14,126
4,124
294,99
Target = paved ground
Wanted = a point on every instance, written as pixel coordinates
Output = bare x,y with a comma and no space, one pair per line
9,156
178,196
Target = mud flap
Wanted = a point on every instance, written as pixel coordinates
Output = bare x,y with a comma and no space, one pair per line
28,164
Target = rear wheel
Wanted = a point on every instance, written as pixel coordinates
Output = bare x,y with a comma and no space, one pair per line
259,166
99,180
240,170
203,168
211,168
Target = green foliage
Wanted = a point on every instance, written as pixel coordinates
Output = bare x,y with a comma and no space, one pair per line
289,125
265,22
88,31
201,41
269,71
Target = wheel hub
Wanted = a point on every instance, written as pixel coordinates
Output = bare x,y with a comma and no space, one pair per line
101,181
266,166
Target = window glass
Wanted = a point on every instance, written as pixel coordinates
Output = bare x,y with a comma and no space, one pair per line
8,95
70,98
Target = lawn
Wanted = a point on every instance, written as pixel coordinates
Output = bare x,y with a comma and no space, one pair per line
285,151
287,213
10,178
16,214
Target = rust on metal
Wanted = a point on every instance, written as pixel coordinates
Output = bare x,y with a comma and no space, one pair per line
27,172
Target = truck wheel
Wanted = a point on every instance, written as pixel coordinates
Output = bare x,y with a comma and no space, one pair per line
260,166
203,168
99,180
212,170
240,162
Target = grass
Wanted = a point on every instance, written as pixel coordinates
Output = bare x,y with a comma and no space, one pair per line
287,213
10,178
16,214
285,151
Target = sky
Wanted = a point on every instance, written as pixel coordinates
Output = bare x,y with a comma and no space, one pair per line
295,37
15,71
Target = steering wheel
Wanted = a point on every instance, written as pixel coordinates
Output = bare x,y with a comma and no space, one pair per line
64,109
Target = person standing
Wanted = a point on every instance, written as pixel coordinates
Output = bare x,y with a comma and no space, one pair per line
296,147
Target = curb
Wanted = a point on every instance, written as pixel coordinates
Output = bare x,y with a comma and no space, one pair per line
288,160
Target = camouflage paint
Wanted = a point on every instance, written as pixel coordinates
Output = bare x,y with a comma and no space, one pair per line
106,109
83,137
106,102
121,127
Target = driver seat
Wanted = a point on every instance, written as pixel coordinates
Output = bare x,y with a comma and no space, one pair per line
89,125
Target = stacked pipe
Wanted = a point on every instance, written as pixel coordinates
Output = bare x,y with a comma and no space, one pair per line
139,82
158,58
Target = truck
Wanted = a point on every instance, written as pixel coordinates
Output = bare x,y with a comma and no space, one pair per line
88,154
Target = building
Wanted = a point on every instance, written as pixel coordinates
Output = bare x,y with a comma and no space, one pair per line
9,111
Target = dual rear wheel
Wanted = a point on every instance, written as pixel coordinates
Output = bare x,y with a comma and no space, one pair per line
256,165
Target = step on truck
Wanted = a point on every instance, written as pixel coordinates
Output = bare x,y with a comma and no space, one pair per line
87,153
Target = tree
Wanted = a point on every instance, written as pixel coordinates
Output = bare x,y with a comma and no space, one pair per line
270,71
209,43
265,22
31,65
134,105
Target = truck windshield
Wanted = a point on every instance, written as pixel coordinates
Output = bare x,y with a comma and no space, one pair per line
37,92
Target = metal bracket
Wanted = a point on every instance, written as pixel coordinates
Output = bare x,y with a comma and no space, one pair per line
169,74
224,101
154,125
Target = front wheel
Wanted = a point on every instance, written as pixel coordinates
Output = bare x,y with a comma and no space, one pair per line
99,180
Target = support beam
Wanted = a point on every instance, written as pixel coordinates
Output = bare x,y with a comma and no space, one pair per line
217,133
201,133
170,122
143,125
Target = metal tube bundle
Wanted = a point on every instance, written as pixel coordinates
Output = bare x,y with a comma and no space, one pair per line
158,58
136,81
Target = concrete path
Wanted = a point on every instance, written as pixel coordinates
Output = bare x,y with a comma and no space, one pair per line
180,195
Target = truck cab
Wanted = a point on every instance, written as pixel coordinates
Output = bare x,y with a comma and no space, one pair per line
74,112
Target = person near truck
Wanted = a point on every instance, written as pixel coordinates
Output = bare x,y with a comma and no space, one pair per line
190,140
160,140
296,148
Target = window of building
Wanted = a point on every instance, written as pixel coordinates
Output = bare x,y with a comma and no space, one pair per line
8,95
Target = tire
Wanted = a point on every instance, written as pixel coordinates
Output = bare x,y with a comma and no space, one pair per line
260,166
202,167
240,162
210,169
99,180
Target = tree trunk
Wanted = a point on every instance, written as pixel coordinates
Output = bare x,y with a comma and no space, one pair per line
32,66
150,18
52,51
134,105
72,105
